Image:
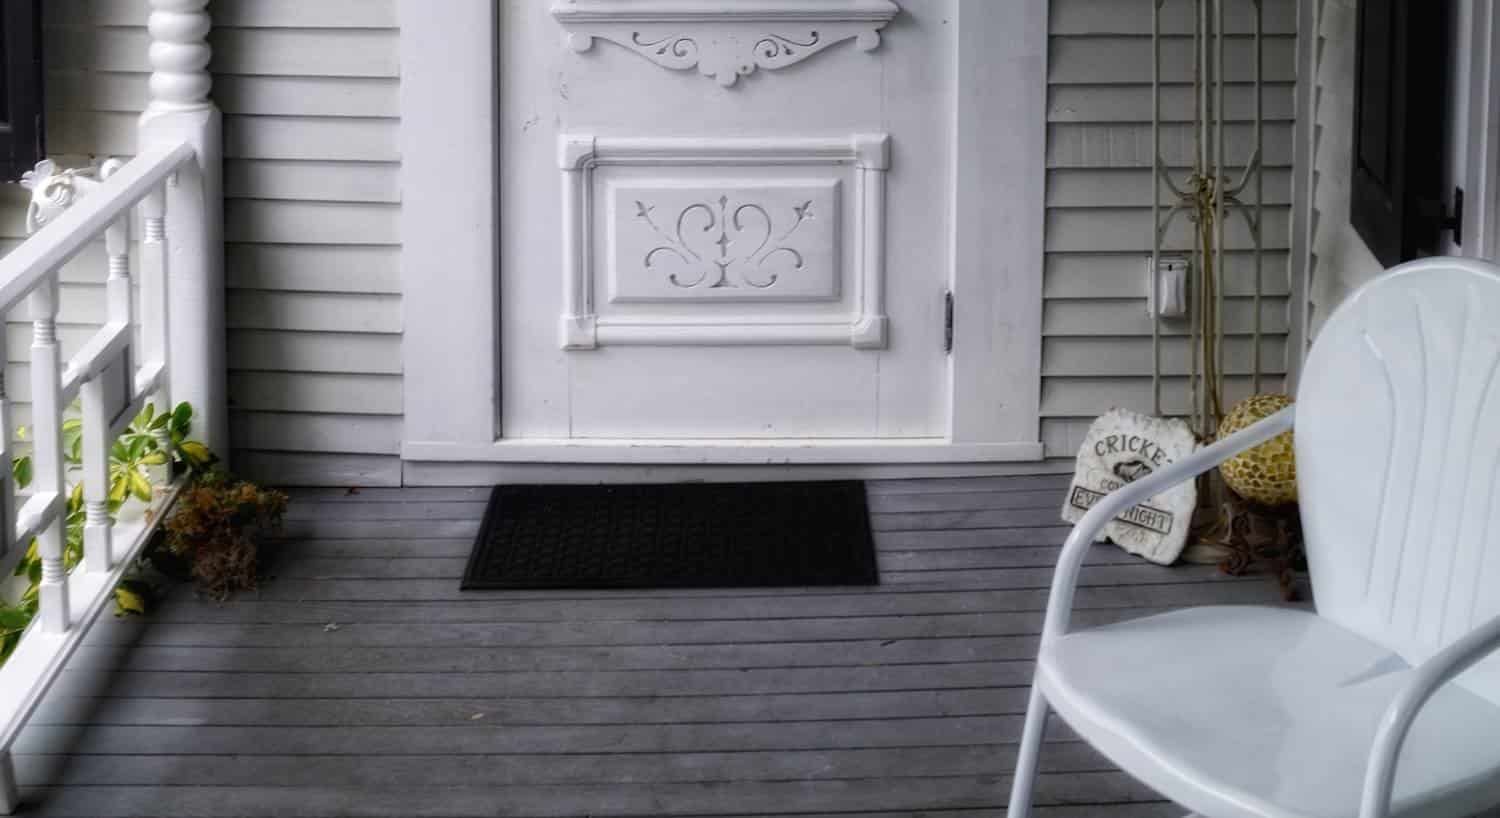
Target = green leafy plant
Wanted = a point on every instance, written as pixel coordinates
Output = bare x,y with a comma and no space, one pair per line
132,458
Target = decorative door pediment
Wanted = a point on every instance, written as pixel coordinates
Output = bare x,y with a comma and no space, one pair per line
723,40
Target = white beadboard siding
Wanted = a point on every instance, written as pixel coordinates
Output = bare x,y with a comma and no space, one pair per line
1096,348
310,96
1340,260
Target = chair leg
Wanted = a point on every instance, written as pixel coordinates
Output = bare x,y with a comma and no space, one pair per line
1027,755
10,797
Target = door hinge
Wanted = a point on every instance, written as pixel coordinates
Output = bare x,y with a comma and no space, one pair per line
947,320
1444,219
1455,222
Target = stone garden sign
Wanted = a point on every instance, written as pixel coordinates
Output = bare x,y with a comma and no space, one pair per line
1121,447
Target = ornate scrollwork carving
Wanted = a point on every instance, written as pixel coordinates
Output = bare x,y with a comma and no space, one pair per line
725,41
54,189
715,245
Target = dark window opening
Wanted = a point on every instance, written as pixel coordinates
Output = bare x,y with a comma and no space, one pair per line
22,135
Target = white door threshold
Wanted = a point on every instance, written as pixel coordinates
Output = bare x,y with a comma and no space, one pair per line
830,451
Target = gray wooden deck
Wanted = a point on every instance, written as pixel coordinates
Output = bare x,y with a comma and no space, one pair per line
359,681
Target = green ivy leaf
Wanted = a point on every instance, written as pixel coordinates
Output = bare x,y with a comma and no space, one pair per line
182,416
72,440
13,619
119,487
140,487
132,596
197,454
20,469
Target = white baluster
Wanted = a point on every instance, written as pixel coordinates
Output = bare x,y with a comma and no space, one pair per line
153,306
97,412
47,462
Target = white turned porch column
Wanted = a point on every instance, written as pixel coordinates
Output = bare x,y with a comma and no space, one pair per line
180,110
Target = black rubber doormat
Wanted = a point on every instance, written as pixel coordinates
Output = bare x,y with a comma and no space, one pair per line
687,535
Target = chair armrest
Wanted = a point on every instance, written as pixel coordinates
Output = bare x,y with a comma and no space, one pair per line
1380,773
1065,577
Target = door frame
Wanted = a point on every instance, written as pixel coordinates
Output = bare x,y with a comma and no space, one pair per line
450,255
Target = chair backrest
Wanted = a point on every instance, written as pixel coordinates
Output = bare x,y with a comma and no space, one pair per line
1398,455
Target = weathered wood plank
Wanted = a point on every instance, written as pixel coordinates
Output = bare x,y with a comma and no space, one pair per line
690,799
303,589
334,658
512,770
407,685
266,712
619,633
480,738
566,606
1039,482
339,509
449,561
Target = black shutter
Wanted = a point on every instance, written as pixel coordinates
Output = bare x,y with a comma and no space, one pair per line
1400,89
22,137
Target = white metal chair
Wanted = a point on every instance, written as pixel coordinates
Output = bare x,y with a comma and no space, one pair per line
1384,701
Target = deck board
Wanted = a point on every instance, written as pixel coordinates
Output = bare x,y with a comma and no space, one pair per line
359,681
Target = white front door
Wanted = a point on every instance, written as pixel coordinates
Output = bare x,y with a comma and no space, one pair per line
763,260
738,224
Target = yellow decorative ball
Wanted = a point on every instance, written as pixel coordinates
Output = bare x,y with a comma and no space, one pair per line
1266,474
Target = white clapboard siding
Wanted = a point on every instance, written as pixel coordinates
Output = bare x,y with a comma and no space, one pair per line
358,394
351,353
1096,347
342,52
1110,355
310,94
293,180
314,312
304,432
1340,259
1096,17
1108,275
1077,397
76,89
321,268
237,13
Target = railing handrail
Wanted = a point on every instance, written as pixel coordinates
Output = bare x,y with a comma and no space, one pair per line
61,239
70,600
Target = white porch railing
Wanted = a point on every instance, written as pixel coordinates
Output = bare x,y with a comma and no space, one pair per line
169,349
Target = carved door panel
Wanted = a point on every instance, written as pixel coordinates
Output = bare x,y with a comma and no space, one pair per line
732,223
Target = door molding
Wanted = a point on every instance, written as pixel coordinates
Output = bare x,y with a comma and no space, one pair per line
449,253
999,213
581,325
449,224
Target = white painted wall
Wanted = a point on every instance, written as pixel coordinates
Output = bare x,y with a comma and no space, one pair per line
310,92
1096,351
